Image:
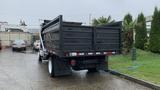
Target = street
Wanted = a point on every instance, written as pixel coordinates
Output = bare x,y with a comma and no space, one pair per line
22,71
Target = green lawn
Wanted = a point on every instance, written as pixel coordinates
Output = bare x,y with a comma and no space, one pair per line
146,67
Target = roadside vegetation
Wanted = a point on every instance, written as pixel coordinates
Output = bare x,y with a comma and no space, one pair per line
102,21
141,33
154,40
127,35
145,64
146,67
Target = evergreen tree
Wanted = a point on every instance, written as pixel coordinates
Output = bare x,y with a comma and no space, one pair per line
141,32
154,42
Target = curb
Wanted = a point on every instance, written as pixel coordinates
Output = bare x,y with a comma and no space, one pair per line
141,82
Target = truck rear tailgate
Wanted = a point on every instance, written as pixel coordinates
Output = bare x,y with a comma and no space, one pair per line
107,39
91,39
77,38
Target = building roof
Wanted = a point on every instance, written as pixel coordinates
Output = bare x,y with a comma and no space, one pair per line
33,30
14,30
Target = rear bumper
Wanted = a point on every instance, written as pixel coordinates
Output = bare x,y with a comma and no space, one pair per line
19,48
87,62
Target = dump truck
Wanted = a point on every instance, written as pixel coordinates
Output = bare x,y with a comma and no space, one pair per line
69,46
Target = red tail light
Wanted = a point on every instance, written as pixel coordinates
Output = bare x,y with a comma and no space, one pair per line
73,62
110,53
78,54
65,54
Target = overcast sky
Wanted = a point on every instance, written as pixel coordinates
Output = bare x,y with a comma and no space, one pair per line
72,10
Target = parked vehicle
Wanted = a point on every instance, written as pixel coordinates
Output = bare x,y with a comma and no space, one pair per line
19,45
36,45
69,45
0,45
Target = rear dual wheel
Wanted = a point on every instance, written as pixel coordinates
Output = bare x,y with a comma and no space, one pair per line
51,66
24,48
13,49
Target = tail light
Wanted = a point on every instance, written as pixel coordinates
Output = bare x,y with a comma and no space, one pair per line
66,54
110,53
73,62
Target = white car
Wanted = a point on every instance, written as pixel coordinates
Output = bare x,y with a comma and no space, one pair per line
36,45
19,45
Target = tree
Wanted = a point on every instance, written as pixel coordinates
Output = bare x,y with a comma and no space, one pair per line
128,18
141,32
154,41
127,37
102,21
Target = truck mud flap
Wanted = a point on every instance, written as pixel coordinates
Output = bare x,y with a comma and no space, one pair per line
103,65
61,68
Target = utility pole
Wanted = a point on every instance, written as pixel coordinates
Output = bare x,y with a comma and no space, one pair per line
90,19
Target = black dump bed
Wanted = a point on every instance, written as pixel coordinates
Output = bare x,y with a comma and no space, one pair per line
65,37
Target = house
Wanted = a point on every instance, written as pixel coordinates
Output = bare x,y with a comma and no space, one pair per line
4,26
148,24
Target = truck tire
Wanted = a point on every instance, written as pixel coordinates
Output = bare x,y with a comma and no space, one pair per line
13,49
92,70
25,49
51,66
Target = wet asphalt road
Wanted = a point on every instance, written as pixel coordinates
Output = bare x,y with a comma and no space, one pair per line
21,71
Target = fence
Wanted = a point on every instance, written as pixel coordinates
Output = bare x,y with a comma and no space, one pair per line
7,37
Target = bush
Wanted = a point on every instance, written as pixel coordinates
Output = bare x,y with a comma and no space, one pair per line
141,32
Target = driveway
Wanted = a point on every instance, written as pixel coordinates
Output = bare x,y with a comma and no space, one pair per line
21,71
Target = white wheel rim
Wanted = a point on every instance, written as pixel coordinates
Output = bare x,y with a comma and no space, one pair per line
50,66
